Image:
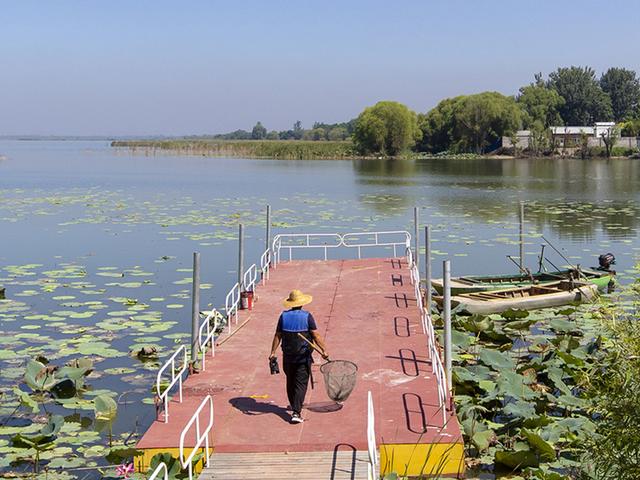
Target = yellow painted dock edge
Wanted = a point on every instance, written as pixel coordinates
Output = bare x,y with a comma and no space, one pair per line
142,461
423,459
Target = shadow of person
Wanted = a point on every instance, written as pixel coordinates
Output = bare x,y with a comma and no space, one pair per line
249,406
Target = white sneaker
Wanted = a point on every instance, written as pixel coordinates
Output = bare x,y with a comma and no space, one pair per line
296,418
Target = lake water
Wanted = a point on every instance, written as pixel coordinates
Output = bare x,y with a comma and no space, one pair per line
96,245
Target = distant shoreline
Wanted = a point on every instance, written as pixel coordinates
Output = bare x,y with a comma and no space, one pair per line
287,150
281,149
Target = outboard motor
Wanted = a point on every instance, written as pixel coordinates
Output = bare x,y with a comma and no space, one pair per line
606,260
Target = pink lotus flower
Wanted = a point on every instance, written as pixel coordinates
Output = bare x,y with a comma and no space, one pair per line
125,470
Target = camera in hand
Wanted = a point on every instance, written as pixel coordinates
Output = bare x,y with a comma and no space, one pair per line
273,365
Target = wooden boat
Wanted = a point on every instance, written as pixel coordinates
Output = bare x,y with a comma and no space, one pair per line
477,283
527,298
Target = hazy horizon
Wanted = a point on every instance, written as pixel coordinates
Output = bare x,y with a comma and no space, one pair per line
72,68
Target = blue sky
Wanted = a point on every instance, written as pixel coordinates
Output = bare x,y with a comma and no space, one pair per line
192,67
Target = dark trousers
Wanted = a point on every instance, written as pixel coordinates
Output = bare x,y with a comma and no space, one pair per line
297,374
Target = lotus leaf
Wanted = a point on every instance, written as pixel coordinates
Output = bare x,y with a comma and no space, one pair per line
545,450
571,401
26,400
39,377
514,314
105,408
461,340
482,440
173,464
514,385
556,375
44,438
570,359
65,388
517,460
520,409
562,325
477,323
496,360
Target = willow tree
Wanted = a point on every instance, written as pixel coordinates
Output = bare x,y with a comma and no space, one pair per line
387,128
470,123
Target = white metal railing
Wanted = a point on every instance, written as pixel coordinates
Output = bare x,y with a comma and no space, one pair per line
201,435
294,241
176,377
207,334
415,281
249,278
427,327
231,304
409,255
377,239
162,467
326,241
372,467
265,263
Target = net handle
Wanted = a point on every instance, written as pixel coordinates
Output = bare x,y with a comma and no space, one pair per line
315,347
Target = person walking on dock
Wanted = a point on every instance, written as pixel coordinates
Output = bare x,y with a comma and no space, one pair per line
296,352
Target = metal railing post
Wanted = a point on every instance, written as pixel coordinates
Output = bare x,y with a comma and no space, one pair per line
521,236
240,255
446,307
268,233
195,306
427,267
416,234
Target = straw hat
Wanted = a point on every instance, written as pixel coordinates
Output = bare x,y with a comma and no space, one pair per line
297,299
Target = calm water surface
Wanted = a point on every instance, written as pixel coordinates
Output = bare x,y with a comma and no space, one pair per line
96,243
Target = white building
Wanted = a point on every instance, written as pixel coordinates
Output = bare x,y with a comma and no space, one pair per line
571,137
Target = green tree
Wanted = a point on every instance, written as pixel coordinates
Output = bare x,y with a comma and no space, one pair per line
540,141
469,123
298,131
437,126
315,134
273,135
258,132
540,104
584,101
609,139
623,88
482,119
338,133
387,128
631,128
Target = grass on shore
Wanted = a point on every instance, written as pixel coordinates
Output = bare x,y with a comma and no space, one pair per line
285,149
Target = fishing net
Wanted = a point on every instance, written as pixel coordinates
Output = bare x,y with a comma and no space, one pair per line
339,379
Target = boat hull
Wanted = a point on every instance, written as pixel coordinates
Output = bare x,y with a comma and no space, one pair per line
485,303
472,284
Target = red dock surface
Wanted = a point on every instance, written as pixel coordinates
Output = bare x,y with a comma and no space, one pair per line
367,312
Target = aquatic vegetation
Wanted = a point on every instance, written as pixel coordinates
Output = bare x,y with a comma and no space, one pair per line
520,383
614,389
285,149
